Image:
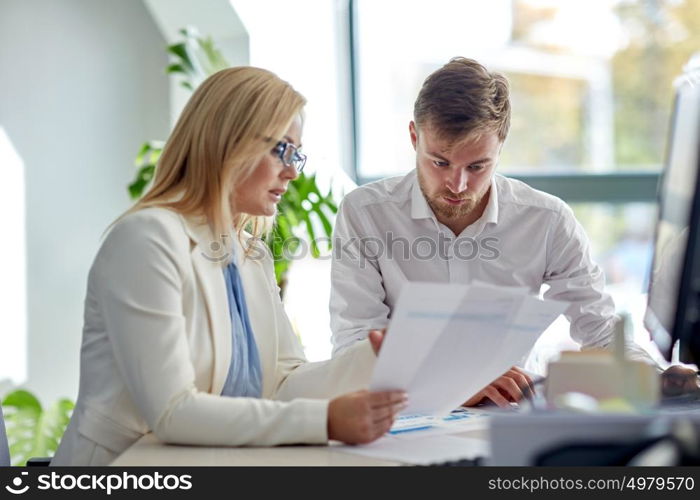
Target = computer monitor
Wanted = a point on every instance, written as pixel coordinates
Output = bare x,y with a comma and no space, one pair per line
673,309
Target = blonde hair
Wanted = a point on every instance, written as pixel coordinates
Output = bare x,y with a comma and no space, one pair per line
231,121
464,99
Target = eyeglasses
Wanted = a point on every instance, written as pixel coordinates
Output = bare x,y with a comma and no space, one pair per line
289,155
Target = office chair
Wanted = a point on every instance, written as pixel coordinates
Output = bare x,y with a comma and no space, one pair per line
5,449
4,446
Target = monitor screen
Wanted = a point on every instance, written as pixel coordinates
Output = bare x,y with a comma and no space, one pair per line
676,226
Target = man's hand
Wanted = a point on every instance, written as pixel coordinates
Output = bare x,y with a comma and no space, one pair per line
678,380
376,337
361,417
512,386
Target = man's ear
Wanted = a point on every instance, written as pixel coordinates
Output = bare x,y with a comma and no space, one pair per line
414,133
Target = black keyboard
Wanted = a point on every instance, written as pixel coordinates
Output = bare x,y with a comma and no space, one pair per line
463,462
685,403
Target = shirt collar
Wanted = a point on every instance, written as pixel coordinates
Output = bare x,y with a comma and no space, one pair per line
491,211
421,210
419,205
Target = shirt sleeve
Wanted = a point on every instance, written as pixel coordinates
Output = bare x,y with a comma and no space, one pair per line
573,277
357,301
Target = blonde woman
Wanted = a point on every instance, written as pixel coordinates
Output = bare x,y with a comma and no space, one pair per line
185,335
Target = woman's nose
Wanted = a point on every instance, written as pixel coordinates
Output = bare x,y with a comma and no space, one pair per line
289,172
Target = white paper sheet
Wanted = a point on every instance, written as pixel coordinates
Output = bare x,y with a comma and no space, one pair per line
425,313
422,451
446,342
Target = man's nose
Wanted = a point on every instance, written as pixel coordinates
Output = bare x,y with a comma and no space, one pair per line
457,181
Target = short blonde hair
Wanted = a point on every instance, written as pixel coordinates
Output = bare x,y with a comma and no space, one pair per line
231,121
464,99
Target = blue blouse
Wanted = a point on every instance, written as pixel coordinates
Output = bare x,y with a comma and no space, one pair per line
244,375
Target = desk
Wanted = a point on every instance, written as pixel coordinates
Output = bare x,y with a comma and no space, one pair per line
519,438
148,451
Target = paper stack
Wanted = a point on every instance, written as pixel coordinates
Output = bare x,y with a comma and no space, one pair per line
446,342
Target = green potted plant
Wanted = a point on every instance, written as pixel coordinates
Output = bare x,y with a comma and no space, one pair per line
34,431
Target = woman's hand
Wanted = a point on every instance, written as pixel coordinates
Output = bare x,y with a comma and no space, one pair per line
363,416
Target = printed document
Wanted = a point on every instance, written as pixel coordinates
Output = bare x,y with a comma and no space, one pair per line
446,342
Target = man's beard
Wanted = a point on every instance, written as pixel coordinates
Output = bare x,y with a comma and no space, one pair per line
443,209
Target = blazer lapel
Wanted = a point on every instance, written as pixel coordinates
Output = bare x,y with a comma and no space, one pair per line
208,260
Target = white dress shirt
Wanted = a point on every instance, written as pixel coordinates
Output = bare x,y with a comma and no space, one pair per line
386,234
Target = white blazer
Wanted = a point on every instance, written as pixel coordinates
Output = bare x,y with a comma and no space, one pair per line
156,349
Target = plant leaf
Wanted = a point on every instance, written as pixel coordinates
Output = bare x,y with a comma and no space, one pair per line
32,431
145,148
21,399
213,59
143,178
180,51
175,68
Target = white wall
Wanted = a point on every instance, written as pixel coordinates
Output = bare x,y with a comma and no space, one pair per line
82,85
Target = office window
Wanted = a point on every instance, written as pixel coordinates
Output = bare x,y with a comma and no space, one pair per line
591,81
621,241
